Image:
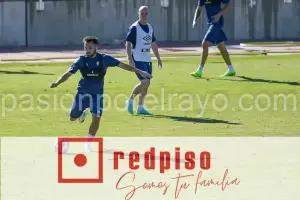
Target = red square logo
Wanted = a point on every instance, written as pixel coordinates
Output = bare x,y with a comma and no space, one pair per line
99,178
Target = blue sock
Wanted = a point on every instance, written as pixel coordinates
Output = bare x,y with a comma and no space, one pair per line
230,68
141,107
200,68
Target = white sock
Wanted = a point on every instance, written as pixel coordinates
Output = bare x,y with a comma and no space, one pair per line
90,136
200,68
87,145
230,68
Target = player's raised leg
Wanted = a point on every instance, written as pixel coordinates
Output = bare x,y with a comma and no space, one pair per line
226,57
79,106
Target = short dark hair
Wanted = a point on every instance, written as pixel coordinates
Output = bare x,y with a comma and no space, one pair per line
92,39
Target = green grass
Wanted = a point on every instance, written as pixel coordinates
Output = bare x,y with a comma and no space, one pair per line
267,75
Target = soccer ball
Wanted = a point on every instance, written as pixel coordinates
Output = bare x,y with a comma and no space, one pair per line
65,147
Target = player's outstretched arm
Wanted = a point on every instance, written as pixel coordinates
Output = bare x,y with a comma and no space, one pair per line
72,70
133,69
61,79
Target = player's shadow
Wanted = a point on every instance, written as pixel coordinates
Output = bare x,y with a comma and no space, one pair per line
23,72
194,120
249,79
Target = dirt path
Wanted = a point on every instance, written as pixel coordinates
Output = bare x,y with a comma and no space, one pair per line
68,55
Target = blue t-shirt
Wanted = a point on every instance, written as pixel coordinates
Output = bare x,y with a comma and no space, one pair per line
212,8
92,86
131,35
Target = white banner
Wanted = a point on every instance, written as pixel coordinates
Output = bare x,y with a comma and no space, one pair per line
244,168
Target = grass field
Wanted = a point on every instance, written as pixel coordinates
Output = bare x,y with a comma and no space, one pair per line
179,114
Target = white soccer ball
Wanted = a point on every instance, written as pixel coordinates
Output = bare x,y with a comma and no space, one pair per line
65,147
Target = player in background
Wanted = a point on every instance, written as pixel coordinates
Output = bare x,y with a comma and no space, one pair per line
215,33
139,41
93,67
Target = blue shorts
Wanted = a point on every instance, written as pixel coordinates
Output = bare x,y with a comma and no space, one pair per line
82,101
215,34
144,66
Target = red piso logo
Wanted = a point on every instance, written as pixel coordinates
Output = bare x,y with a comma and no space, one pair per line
80,160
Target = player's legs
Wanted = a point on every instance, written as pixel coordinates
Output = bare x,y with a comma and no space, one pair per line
205,48
96,108
208,40
141,109
226,57
145,85
78,110
140,89
224,53
136,91
93,129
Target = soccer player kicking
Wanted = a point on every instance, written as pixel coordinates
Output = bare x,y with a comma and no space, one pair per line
93,67
215,33
140,39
